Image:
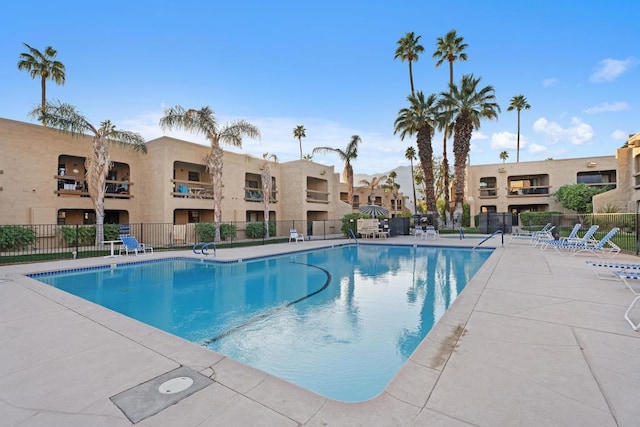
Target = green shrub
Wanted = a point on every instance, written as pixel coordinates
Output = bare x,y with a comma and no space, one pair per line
536,218
256,230
111,231
205,232
14,237
74,235
466,215
350,221
230,231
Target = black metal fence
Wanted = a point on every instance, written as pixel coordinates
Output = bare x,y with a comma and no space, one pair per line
29,243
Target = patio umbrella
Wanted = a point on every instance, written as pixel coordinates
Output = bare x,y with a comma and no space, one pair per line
374,210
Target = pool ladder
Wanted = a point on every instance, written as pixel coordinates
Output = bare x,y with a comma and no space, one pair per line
203,248
487,238
352,234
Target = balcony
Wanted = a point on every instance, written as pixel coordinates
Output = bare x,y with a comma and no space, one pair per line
487,193
76,186
314,196
191,189
540,190
254,195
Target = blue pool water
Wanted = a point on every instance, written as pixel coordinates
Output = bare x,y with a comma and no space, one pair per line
339,321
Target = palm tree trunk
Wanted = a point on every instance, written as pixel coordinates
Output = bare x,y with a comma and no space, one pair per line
43,85
445,179
518,148
300,142
411,78
349,178
425,152
266,195
461,144
413,183
214,164
97,170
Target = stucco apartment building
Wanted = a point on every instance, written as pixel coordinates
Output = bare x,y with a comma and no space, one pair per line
529,186
42,182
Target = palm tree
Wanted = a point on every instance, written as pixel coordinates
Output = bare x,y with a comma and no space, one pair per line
420,119
465,105
43,66
299,132
410,154
347,155
67,119
448,48
518,102
504,156
392,186
308,157
204,121
266,188
375,182
408,50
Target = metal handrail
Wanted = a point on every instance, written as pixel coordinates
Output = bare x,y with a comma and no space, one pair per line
487,238
353,235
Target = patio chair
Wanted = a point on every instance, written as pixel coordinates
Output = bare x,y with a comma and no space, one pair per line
607,270
431,233
542,235
527,234
603,248
131,244
418,232
627,276
574,232
295,236
568,244
634,326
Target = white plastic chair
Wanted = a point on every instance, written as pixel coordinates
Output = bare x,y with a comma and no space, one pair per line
295,236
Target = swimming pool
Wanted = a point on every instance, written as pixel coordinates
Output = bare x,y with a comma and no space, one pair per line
339,321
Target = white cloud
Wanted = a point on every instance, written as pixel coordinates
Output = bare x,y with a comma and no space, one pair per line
577,133
507,140
537,149
277,138
619,135
610,69
607,107
478,135
550,82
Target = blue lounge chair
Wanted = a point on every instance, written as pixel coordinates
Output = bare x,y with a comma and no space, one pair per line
569,244
626,276
574,232
603,248
130,244
607,269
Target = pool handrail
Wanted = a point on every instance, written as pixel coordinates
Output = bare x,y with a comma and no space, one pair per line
353,235
203,247
490,236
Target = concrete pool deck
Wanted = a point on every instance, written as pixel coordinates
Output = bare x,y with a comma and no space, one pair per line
534,339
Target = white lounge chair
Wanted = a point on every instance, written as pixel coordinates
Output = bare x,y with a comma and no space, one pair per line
568,244
295,236
606,270
603,248
431,233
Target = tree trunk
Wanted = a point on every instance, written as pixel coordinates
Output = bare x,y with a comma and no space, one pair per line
461,144
214,165
98,167
348,171
445,170
266,196
425,153
43,85
413,183
518,147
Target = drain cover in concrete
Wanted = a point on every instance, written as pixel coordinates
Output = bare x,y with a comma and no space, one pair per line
151,397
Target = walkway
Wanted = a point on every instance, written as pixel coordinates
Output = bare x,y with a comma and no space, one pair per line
535,339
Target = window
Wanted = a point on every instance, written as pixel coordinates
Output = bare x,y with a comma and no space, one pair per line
488,187
194,216
194,176
488,209
603,178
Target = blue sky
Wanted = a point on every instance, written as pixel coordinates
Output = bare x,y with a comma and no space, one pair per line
329,66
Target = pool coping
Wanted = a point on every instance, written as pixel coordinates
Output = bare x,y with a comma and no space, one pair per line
403,401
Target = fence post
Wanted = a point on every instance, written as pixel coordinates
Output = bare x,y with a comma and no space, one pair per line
77,240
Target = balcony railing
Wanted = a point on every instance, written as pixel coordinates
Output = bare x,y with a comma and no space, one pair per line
539,190
486,192
191,189
76,186
314,196
255,195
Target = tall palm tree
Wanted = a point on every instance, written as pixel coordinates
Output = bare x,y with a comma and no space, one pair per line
518,102
466,105
204,121
410,154
42,65
67,119
266,188
347,155
420,118
409,50
504,156
375,182
299,132
449,48
392,186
